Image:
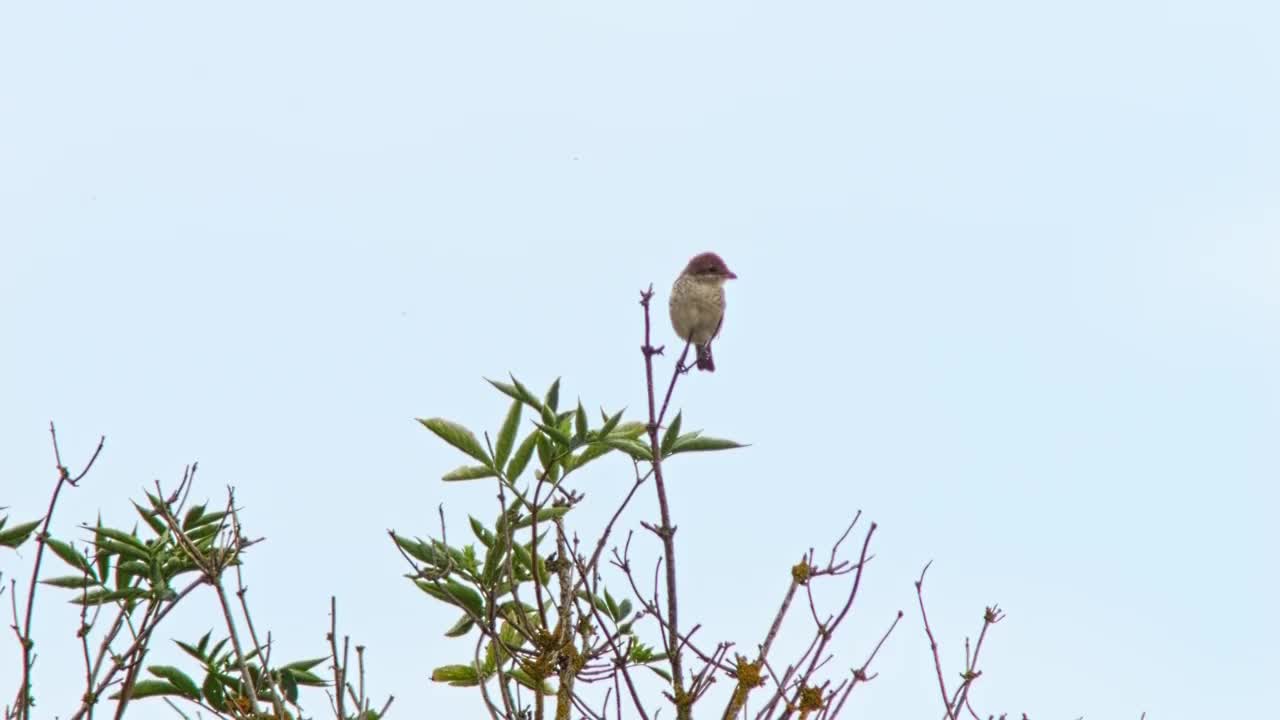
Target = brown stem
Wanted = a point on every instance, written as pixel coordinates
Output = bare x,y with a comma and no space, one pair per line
118,661
339,668
564,638
933,644
827,631
860,674
680,370
594,564
990,616
667,531
619,655
64,478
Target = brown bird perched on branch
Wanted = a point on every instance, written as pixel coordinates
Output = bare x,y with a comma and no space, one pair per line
697,304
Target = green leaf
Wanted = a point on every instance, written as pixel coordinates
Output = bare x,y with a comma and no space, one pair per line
523,678
525,393
555,434
520,460
210,520
460,628
289,686
101,597
472,560
213,693
18,534
630,446
546,454
600,603
420,551
610,422
580,423
702,444
546,514
593,451
302,666
455,593
517,391
149,517
510,635
553,395
507,389
459,437
151,688
673,433
468,472
202,533
660,672
70,556
217,650
185,685
630,430
123,537
126,578
611,604
490,664
305,677
525,558
641,653
192,517
507,435
493,559
624,609
481,532
104,566
124,550
456,675
71,582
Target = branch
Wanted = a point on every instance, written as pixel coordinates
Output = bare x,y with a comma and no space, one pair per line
24,702
933,644
683,711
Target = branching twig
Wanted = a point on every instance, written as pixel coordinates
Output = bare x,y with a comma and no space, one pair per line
683,710
24,701
933,643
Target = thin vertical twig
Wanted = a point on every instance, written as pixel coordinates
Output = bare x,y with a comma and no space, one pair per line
933,644
339,669
667,531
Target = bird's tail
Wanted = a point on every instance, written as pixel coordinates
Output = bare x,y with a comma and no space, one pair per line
704,358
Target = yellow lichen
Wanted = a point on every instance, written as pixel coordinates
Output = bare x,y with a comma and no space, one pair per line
800,573
810,699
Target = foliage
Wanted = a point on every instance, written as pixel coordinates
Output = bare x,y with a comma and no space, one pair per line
528,597
126,582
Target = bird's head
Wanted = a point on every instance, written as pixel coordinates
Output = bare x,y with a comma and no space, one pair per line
708,267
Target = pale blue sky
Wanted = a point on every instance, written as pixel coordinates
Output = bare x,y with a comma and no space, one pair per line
1008,284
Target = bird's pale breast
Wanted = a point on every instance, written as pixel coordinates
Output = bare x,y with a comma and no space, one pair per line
697,306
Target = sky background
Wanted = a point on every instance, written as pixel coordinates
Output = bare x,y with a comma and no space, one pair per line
1008,284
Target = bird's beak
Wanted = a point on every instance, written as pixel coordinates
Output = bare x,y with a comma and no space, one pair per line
729,275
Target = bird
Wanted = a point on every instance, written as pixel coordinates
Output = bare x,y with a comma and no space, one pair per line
697,304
